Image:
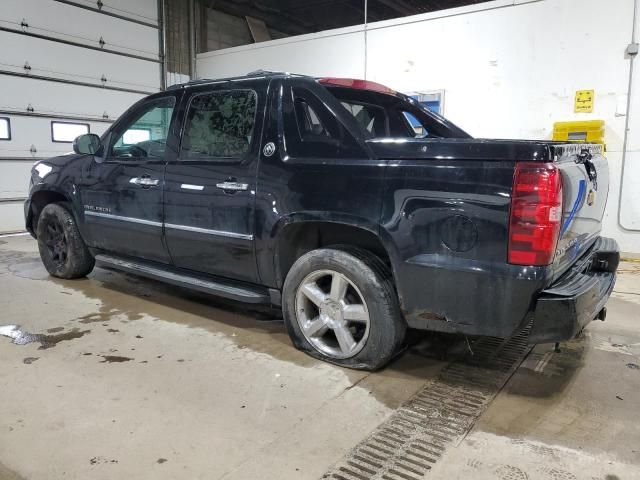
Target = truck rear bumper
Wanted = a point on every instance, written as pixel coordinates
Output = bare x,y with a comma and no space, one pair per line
578,297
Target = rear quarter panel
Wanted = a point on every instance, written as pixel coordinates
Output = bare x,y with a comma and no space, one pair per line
448,219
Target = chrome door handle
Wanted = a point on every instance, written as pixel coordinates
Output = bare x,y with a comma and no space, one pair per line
144,181
232,186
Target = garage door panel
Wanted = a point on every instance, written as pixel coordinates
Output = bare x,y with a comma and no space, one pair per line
33,131
11,217
15,182
76,24
62,99
69,62
70,78
144,10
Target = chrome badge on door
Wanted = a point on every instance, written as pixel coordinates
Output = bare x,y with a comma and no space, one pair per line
269,149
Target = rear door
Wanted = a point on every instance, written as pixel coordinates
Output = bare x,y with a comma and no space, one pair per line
585,187
210,187
122,192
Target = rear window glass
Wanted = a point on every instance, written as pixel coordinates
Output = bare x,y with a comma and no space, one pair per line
315,132
372,118
385,115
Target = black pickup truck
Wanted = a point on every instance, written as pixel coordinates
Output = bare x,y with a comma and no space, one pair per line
350,205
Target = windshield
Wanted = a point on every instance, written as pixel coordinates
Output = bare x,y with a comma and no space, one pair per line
385,115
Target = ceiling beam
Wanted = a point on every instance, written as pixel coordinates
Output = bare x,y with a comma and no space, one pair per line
273,18
399,6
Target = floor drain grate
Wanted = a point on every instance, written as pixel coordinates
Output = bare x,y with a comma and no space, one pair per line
412,440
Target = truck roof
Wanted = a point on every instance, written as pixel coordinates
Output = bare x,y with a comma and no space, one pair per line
328,81
251,75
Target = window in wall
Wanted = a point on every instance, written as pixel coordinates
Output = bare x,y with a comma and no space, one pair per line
145,134
136,135
219,125
5,128
433,100
66,132
314,132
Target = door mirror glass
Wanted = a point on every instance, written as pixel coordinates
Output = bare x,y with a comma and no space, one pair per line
87,144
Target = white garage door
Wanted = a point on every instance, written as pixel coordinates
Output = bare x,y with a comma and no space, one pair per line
67,67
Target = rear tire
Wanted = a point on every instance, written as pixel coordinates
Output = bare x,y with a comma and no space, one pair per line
62,250
339,305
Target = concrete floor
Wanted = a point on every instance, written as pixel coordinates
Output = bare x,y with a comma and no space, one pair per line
115,376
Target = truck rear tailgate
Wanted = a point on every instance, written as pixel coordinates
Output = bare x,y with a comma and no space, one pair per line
585,186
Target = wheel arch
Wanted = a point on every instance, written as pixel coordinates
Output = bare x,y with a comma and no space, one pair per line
296,237
37,201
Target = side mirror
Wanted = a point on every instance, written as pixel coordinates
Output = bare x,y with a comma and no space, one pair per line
87,144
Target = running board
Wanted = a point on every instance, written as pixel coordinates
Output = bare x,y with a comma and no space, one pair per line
226,290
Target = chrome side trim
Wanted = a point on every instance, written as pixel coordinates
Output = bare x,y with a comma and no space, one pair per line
173,226
188,186
220,233
233,186
121,218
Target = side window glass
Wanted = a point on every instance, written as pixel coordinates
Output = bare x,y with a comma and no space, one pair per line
145,136
312,131
219,125
415,126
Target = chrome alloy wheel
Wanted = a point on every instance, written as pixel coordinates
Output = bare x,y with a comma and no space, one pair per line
332,314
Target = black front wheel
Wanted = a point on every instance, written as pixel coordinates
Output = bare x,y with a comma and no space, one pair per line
62,250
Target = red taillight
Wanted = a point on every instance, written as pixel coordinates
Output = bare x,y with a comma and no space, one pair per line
536,213
355,83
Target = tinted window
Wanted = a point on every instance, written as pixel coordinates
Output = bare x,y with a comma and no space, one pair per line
311,130
145,134
219,125
371,117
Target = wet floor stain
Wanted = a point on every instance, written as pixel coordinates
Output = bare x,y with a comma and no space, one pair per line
55,329
20,337
97,317
122,298
97,460
115,359
161,460
112,330
29,360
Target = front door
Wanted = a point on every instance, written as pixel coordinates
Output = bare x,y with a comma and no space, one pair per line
210,187
122,191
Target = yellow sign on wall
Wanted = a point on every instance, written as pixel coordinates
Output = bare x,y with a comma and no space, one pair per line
584,101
